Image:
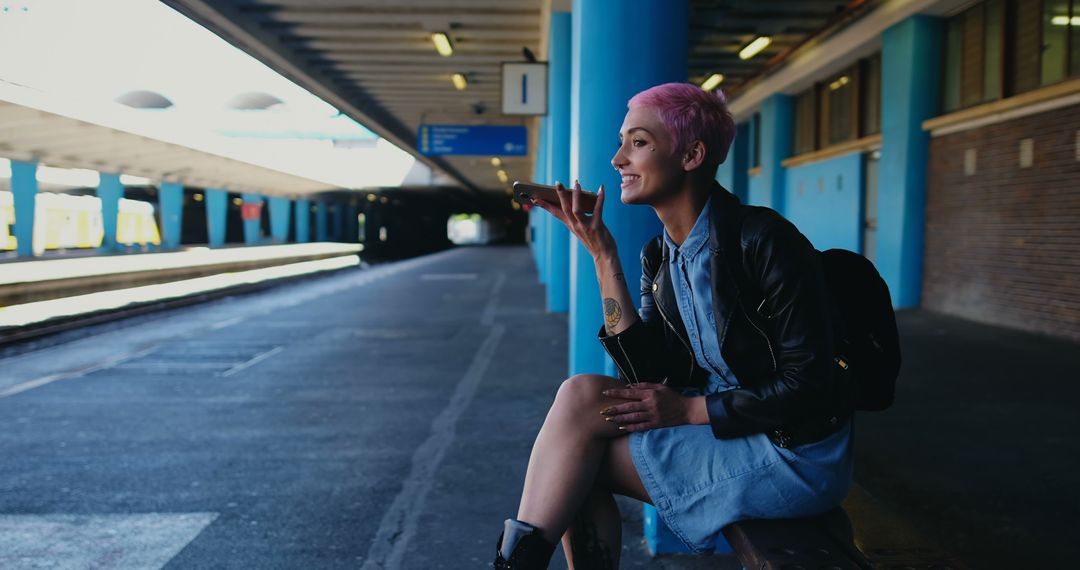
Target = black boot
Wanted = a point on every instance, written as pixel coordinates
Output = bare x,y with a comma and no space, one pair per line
531,552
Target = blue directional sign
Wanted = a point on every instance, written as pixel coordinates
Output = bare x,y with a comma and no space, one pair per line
498,140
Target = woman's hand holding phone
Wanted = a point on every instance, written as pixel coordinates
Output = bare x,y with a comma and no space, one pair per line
589,229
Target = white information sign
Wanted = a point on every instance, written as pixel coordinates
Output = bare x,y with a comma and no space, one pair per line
524,88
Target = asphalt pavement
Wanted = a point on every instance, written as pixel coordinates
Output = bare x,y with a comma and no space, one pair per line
373,418
382,418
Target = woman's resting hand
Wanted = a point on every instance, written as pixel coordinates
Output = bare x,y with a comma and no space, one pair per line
652,406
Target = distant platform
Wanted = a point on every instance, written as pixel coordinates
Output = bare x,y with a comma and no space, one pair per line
36,291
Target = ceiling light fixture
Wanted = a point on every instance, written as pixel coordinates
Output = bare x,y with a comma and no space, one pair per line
496,161
713,81
460,81
502,176
754,47
442,44
839,83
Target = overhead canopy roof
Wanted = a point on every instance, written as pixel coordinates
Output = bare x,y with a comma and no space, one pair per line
34,126
374,59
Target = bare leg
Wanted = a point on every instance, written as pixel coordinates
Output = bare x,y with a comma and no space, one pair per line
594,540
567,458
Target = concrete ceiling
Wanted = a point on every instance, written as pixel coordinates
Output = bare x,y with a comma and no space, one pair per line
39,133
374,59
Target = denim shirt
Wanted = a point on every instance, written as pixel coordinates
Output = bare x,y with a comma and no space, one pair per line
690,267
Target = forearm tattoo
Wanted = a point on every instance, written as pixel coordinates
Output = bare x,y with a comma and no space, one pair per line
619,277
612,314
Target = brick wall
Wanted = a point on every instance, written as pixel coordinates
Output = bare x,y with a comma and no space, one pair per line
1003,244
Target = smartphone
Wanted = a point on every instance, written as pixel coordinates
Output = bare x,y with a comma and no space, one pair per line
524,191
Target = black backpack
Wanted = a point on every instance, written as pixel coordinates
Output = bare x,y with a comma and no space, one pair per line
868,345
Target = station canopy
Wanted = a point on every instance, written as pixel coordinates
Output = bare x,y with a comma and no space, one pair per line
376,61
169,101
372,63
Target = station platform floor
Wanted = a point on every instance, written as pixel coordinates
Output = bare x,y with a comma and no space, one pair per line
382,418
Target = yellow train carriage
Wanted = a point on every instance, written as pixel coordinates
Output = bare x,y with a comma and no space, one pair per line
63,221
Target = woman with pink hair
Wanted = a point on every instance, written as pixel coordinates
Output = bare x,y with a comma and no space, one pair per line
728,406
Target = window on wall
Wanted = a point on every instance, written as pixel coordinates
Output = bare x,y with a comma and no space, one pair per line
870,103
839,109
805,122
1000,48
842,108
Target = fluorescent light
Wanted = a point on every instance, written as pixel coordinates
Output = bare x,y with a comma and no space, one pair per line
460,83
442,44
502,176
496,161
713,80
1064,21
754,47
842,81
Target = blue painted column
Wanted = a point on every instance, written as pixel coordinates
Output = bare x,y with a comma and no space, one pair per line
604,75
539,174
280,209
109,191
767,188
558,158
322,232
303,220
252,227
171,202
217,203
910,64
732,173
24,188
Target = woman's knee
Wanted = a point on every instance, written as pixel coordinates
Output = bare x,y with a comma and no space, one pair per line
582,391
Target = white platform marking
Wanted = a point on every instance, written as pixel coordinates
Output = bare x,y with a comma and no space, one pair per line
113,541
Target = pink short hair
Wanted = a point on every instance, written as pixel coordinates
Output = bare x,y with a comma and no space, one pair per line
691,114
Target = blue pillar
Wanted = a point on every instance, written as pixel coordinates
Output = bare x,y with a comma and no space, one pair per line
322,231
558,159
732,173
539,174
252,227
217,202
767,188
24,188
279,218
303,220
109,191
910,63
603,79
171,202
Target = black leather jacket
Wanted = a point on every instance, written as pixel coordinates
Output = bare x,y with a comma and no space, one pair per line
773,322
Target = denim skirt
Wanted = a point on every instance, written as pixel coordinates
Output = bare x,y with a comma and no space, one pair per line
700,484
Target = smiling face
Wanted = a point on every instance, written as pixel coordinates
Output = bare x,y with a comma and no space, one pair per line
645,159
